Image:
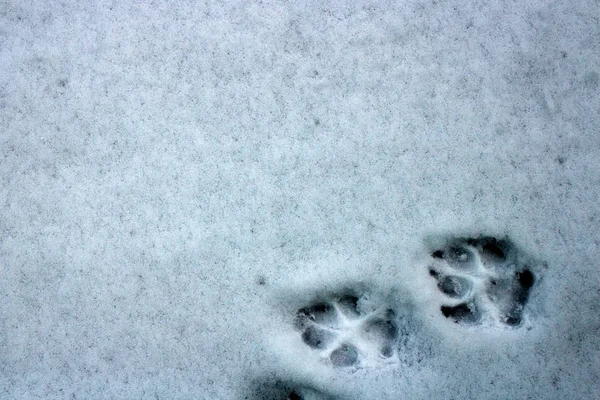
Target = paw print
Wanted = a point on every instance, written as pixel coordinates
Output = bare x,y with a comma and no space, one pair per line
482,279
286,390
348,330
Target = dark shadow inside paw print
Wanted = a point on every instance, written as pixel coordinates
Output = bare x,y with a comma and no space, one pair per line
285,390
316,337
492,248
512,313
349,306
294,396
466,313
455,286
525,279
323,314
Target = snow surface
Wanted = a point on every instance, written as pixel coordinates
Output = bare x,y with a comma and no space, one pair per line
179,178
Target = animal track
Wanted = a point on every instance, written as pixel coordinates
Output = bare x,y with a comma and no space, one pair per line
348,330
286,390
482,279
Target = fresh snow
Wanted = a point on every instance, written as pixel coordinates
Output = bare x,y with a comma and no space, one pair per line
179,178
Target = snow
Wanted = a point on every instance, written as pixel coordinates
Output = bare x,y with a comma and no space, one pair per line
179,178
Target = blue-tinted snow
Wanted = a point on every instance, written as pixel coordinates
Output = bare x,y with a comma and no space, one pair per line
178,179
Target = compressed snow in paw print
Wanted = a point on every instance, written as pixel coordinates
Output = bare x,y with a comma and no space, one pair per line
348,331
482,279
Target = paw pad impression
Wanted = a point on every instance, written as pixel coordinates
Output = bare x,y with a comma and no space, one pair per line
348,330
481,279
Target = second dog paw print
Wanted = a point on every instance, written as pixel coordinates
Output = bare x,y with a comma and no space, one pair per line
348,330
482,279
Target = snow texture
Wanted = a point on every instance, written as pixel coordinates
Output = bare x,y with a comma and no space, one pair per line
185,186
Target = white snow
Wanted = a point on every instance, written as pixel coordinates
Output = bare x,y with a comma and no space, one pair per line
178,178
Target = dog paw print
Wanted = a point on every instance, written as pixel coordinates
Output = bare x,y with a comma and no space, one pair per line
307,394
286,390
482,280
348,330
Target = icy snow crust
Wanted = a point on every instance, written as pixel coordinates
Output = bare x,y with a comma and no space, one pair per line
188,188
